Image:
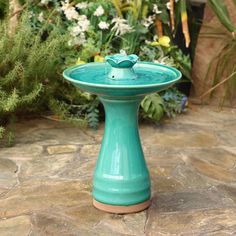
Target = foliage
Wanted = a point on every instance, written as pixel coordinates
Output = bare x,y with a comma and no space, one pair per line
225,59
26,64
137,24
86,112
221,11
174,102
10,139
93,114
1,131
30,73
108,26
153,106
168,16
171,56
105,27
169,102
3,8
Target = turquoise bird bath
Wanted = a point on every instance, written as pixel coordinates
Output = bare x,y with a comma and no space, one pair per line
121,182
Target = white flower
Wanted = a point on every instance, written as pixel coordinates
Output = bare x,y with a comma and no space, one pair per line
40,17
79,40
99,11
165,61
76,30
168,4
103,25
31,14
45,2
148,21
82,26
82,5
121,26
69,11
156,10
155,38
123,52
83,22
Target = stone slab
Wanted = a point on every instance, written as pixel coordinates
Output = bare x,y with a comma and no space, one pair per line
20,225
46,179
197,223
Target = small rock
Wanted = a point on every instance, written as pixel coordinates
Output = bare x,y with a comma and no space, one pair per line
90,150
59,149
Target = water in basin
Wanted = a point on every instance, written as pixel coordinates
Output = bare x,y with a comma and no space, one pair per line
147,74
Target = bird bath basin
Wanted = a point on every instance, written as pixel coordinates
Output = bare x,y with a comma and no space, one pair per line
121,182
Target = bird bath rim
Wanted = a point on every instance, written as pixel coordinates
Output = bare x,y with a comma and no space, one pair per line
69,70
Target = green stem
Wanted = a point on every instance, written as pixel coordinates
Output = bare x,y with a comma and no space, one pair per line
109,41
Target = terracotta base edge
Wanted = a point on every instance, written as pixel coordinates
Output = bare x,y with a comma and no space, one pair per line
122,209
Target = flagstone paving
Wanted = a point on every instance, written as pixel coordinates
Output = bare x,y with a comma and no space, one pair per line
45,179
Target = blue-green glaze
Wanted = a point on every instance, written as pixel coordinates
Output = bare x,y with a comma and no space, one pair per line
93,77
121,66
121,60
121,176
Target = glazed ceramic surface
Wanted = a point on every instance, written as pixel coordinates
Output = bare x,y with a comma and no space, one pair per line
93,77
121,176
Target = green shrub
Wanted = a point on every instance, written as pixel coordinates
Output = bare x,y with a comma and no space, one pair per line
31,65
3,8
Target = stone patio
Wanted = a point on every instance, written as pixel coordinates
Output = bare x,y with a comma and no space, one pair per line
45,179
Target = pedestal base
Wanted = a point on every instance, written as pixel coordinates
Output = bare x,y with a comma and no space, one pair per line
121,178
122,209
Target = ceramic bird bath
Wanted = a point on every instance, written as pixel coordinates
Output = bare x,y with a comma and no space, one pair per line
121,182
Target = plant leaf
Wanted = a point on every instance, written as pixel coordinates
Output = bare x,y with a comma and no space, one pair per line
221,11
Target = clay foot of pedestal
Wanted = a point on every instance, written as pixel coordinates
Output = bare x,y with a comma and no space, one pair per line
122,209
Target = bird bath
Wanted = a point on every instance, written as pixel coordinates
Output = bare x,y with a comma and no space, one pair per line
121,182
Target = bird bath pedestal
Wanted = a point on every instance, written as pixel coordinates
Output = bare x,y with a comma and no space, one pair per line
121,182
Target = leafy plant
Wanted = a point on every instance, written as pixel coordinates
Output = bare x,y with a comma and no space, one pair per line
1,131
93,114
10,139
28,68
169,103
170,55
31,65
182,62
3,8
153,106
221,11
174,102
135,12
